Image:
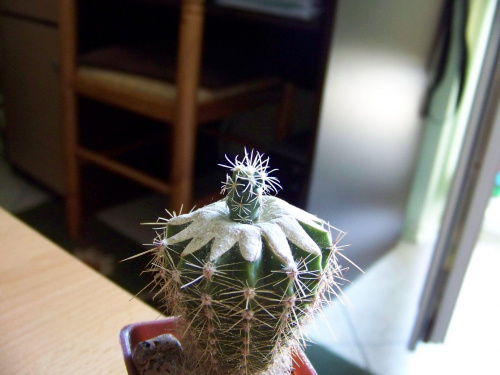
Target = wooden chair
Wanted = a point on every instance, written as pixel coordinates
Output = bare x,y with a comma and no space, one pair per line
183,105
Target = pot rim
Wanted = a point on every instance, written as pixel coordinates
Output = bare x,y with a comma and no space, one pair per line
132,334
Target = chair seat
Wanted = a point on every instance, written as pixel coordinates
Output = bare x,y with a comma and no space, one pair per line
156,98
155,59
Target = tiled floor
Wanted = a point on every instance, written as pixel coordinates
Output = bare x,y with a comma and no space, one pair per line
372,328
16,194
373,331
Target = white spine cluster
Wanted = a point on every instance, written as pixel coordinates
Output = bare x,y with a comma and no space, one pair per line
249,182
252,172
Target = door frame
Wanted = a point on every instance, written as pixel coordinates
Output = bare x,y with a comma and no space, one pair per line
467,201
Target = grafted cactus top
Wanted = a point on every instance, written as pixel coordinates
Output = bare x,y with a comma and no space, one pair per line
249,182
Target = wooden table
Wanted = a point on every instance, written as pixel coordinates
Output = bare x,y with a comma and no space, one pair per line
58,316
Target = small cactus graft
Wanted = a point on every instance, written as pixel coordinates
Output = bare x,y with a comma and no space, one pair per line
245,273
249,182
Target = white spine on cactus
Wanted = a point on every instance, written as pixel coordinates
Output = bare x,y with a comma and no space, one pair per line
251,165
278,224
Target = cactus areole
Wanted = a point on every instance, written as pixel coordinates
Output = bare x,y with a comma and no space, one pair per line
244,274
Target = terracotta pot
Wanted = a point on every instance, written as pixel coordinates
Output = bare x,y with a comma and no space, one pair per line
132,334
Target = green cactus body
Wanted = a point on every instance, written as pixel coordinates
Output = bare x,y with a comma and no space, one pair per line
244,281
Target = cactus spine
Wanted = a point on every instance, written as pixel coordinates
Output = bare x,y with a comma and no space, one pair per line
246,187
245,273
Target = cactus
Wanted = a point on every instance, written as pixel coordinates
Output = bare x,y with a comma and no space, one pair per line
245,273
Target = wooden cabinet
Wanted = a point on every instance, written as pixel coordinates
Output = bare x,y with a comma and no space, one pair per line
30,81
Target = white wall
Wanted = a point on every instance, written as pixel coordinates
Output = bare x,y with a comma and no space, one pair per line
370,122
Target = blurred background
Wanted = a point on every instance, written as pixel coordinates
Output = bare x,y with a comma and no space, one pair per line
391,133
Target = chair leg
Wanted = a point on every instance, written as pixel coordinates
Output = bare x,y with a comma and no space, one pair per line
188,71
285,111
182,171
68,43
73,190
